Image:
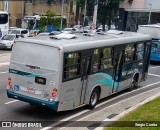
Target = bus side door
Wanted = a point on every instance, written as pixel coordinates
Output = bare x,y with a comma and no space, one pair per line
118,63
85,72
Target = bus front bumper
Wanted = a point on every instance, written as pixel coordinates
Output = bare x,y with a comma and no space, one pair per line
52,105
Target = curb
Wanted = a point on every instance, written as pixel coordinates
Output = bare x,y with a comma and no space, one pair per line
128,111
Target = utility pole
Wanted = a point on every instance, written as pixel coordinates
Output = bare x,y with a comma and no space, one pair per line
95,12
84,13
62,14
149,19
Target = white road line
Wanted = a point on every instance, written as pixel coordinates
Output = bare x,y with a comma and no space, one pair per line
4,72
46,128
153,75
66,119
6,63
104,103
154,67
105,108
11,102
126,93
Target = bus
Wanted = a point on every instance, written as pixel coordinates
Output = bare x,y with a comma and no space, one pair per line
154,31
4,22
68,71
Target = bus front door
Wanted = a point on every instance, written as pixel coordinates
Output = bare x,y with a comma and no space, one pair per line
118,56
85,71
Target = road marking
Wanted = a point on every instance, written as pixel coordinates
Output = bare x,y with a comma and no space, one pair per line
105,108
154,67
46,128
11,102
4,72
128,111
85,111
66,119
6,63
153,75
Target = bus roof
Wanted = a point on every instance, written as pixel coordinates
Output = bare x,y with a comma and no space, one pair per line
89,42
151,25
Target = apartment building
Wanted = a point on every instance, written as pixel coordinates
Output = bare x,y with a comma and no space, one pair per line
14,10
19,8
138,12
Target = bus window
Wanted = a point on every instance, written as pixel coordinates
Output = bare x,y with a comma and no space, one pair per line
3,18
106,58
72,65
95,60
129,53
140,51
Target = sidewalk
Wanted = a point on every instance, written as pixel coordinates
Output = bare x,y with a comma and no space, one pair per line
5,57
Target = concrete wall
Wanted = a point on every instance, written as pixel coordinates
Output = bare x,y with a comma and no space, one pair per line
14,10
153,4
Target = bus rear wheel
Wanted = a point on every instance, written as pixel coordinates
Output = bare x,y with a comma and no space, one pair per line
133,84
93,98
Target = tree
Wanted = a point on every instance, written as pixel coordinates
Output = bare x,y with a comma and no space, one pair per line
107,9
49,19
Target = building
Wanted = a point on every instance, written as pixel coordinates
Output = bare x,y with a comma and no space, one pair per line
138,12
18,9
14,10
40,7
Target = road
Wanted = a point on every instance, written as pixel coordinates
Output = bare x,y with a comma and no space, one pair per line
13,110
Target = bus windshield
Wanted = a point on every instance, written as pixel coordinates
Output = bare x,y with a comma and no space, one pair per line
3,18
28,23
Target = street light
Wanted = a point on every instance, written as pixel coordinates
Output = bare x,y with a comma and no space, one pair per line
95,12
149,19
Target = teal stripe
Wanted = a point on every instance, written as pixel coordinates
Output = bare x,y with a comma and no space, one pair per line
23,73
108,80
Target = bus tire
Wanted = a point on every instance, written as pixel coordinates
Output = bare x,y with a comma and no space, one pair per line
94,98
133,84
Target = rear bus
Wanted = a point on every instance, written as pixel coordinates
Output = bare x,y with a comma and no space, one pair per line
34,74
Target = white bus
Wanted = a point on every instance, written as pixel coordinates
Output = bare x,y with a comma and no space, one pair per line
4,22
65,72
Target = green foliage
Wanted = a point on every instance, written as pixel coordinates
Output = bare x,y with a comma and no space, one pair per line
148,112
106,9
56,21
43,23
50,19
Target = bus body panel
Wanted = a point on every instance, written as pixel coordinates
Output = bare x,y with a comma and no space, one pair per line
154,31
4,22
34,76
37,68
155,50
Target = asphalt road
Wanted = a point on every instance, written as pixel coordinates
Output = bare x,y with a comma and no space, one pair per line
12,110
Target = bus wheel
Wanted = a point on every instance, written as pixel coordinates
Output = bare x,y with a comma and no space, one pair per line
133,84
94,98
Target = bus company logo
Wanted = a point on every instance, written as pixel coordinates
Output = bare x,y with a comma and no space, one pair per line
6,124
128,72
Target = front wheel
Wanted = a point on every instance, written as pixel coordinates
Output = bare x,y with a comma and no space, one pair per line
93,99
